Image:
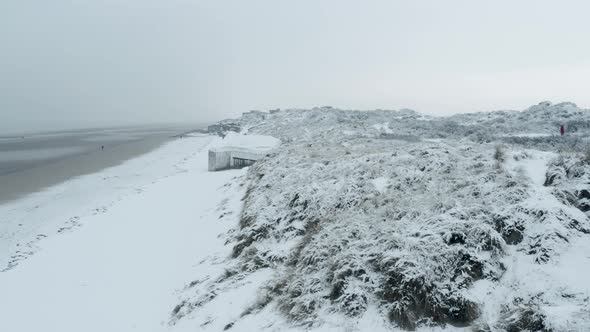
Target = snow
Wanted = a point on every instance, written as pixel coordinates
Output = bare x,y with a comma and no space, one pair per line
120,270
342,228
383,127
534,166
355,180
380,184
250,142
349,132
528,135
65,206
558,289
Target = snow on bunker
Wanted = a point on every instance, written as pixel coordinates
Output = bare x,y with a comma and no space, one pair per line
237,150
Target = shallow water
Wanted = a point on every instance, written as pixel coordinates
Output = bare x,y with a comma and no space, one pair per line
32,162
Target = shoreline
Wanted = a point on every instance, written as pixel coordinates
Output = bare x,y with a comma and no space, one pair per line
123,253
33,179
63,206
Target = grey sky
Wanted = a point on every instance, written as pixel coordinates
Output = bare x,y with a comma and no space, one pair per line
101,62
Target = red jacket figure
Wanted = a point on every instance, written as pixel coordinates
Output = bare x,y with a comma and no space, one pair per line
562,130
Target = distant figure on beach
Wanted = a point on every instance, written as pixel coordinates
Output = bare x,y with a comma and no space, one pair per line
102,146
562,130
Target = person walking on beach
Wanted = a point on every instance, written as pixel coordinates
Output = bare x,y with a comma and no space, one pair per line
102,146
562,130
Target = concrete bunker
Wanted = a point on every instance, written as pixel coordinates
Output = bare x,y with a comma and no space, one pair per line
232,157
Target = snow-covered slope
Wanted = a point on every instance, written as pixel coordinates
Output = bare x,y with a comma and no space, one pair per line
364,217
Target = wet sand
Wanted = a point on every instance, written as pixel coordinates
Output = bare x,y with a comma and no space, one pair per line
22,176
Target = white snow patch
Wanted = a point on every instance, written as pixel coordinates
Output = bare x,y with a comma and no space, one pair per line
251,142
380,184
349,132
552,281
383,127
534,167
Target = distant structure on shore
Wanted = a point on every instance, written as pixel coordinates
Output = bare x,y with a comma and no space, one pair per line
232,157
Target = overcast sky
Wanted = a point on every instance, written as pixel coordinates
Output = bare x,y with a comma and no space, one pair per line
83,63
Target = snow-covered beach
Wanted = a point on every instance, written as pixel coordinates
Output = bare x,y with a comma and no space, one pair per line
107,251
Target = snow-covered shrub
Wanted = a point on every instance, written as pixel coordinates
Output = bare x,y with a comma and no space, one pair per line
569,176
549,143
586,157
411,246
499,155
523,316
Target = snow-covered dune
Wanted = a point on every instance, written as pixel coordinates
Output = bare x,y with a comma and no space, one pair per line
372,220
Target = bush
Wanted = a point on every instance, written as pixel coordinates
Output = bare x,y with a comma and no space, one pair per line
499,155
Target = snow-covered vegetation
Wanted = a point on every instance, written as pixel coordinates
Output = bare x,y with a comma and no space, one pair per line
474,221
